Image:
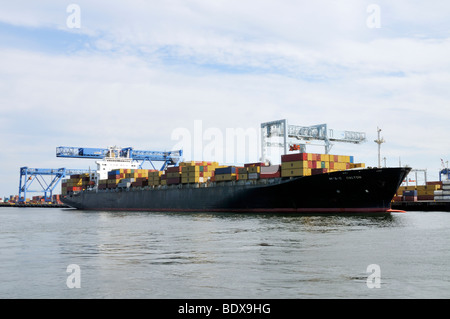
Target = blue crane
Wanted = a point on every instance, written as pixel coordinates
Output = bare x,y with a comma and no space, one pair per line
168,157
29,175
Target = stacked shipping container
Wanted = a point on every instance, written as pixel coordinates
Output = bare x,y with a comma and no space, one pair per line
226,173
305,164
197,172
298,164
77,183
419,192
443,194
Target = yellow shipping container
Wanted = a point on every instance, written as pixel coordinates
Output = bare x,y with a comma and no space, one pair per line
190,174
340,166
207,174
242,170
425,192
225,177
191,179
242,176
173,174
156,174
195,179
325,157
295,172
294,164
184,164
254,169
193,168
428,187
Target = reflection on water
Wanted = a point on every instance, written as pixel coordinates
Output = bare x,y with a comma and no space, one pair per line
219,255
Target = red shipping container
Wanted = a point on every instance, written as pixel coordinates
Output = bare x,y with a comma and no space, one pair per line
425,197
270,175
174,169
435,183
312,164
173,180
257,164
409,198
316,171
294,157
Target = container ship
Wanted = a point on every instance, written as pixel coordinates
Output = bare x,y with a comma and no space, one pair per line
302,183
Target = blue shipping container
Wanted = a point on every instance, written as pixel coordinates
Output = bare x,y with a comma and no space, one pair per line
225,170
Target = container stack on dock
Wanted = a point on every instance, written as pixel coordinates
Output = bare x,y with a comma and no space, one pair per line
443,195
415,193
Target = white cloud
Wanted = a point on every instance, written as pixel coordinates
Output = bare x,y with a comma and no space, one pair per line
142,69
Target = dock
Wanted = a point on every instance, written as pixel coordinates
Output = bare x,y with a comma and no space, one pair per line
425,205
46,205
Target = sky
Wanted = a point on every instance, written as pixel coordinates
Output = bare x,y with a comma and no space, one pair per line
143,73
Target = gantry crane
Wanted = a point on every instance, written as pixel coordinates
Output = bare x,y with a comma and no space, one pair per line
29,175
167,157
280,134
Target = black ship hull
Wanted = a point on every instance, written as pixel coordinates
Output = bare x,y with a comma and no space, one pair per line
350,191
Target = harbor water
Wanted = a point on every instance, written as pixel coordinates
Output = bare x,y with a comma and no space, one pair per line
65,253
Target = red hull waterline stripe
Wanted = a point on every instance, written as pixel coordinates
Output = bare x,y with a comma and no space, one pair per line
262,210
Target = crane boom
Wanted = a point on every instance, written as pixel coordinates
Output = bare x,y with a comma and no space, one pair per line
169,157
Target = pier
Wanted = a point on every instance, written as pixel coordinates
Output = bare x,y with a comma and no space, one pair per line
426,206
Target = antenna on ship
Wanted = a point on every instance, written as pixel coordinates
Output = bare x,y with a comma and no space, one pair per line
379,141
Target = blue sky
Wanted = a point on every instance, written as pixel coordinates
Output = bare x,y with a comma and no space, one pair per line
136,71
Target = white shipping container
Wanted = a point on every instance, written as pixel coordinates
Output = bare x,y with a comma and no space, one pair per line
253,175
442,198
